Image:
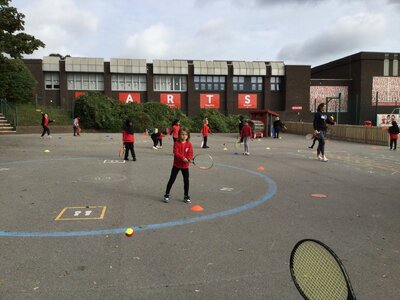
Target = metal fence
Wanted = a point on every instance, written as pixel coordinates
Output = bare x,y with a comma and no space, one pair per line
351,133
9,112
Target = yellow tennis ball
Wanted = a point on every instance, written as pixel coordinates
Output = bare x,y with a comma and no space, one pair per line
129,232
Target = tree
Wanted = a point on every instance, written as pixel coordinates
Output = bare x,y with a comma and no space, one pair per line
16,81
14,42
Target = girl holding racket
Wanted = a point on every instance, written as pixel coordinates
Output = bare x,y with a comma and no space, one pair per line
246,134
183,154
128,138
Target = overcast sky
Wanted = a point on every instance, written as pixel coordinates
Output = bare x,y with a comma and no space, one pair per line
310,32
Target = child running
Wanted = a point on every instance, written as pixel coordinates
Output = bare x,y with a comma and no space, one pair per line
183,154
157,138
45,122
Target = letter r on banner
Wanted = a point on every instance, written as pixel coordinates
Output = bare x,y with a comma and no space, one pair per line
172,100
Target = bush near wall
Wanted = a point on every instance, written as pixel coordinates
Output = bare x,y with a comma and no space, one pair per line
100,112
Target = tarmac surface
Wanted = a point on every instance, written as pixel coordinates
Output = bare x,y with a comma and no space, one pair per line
64,213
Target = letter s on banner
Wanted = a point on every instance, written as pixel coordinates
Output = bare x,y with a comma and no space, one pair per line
247,100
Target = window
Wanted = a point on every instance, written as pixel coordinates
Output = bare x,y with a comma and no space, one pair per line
275,84
386,65
209,83
247,83
52,81
167,83
86,81
128,82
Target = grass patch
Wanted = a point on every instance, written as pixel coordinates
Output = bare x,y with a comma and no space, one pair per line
29,115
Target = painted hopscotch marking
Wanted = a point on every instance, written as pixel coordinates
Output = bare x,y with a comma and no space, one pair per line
226,189
113,161
82,213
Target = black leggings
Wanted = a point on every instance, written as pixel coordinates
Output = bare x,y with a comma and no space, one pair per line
129,147
393,143
45,129
321,143
172,177
205,141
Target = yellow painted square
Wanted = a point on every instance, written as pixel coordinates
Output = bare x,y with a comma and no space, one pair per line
66,212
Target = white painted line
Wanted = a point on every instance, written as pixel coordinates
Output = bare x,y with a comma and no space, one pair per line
110,161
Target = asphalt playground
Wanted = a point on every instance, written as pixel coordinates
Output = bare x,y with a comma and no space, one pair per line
65,203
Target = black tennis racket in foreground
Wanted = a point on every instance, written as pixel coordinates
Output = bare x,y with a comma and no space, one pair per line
318,272
203,161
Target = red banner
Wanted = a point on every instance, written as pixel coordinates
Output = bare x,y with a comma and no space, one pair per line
209,100
129,98
172,100
297,107
78,94
247,101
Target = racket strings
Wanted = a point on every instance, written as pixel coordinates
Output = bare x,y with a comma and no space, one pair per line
203,161
318,274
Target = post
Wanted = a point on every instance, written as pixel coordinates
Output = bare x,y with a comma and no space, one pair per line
376,109
357,112
338,111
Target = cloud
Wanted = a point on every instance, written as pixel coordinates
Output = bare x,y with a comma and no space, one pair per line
61,25
153,42
348,35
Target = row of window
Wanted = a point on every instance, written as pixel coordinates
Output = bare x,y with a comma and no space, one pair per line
161,83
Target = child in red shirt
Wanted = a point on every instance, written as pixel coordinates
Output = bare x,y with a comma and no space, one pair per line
183,154
128,138
176,125
205,130
246,134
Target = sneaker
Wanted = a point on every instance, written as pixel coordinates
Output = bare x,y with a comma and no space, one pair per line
134,159
155,148
186,199
324,158
311,147
319,157
160,147
166,198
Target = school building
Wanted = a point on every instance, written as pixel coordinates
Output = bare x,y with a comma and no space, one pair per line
348,85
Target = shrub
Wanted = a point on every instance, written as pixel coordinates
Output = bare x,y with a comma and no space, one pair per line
101,112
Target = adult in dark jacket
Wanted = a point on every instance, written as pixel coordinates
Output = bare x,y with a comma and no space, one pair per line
320,127
278,126
394,135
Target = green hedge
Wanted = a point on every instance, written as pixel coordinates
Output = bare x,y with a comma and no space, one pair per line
100,112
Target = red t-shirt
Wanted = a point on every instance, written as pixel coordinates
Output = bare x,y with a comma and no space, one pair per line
205,130
182,150
175,131
246,131
127,138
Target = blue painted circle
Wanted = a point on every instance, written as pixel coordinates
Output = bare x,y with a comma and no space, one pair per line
262,199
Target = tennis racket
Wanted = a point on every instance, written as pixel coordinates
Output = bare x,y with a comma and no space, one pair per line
121,152
237,143
318,273
203,161
310,136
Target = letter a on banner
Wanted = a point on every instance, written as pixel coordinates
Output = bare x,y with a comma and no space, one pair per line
125,98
